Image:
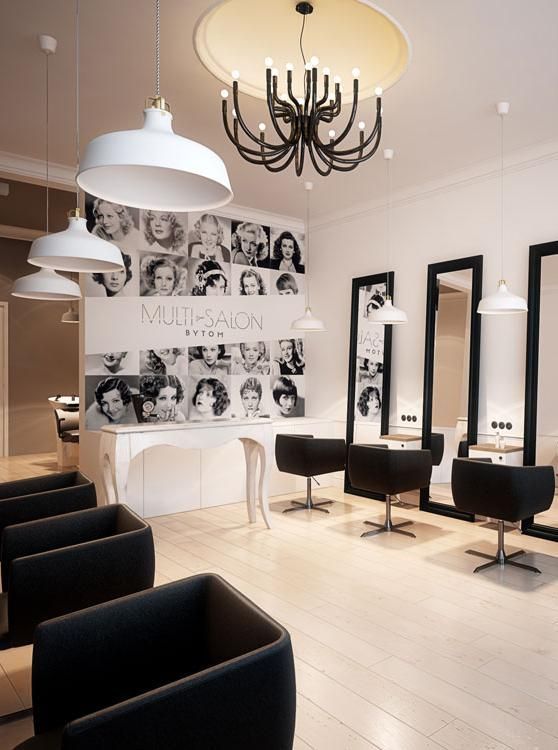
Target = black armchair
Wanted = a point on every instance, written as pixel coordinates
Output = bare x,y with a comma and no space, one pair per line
388,472
307,456
191,664
41,497
437,447
506,493
65,563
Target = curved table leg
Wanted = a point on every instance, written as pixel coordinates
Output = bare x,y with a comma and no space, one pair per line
265,467
251,456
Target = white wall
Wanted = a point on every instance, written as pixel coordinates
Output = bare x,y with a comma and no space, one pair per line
431,224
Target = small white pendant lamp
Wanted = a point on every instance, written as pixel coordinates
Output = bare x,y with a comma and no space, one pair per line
74,249
46,284
70,316
308,323
388,314
503,302
153,167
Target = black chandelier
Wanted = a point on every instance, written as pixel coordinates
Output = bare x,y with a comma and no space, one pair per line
296,121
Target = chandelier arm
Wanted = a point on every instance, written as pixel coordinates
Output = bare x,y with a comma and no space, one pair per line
356,161
352,116
317,167
247,131
338,166
279,168
325,97
271,87
255,157
299,156
290,94
373,134
236,142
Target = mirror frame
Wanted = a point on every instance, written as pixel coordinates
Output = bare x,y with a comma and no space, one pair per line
536,254
475,263
357,283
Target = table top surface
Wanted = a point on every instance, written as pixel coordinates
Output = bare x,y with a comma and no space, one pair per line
120,429
491,448
403,438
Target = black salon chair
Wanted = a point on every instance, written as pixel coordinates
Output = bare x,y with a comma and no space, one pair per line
41,497
65,563
437,447
307,456
506,493
189,665
388,472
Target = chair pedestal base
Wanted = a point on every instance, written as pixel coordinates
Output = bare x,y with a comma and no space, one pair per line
501,558
310,504
388,525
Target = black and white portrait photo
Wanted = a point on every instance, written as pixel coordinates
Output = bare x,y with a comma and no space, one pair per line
163,399
163,275
250,396
208,278
288,396
209,359
250,244
287,357
248,282
369,371
164,362
121,282
250,358
209,237
285,283
369,404
164,232
287,251
108,401
209,398
112,363
114,223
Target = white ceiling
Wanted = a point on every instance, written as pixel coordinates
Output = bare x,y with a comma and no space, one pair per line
467,54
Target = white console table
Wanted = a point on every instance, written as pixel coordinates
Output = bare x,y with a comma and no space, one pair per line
121,443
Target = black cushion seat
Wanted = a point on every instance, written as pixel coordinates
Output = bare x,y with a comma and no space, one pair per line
388,472
306,456
191,664
41,497
506,493
61,564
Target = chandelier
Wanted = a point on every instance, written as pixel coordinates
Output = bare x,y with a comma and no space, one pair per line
298,123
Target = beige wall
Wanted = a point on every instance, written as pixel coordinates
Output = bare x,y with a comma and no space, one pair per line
43,353
449,360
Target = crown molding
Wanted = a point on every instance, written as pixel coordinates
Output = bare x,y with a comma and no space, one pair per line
515,162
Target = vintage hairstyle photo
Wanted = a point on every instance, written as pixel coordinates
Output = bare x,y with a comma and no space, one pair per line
287,395
288,357
208,278
164,362
250,244
209,237
109,401
250,357
164,231
163,275
369,404
209,398
162,396
286,252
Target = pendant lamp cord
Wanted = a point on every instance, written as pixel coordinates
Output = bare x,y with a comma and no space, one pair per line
388,222
77,99
300,40
308,187
46,143
501,227
157,48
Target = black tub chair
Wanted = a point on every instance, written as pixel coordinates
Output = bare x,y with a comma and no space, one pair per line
191,665
506,493
437,447
40,497
65,563
388,472
307,456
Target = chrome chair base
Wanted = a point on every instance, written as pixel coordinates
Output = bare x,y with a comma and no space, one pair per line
309,504
501,558
388,525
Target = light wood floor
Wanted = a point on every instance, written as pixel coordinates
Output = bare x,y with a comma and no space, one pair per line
398,645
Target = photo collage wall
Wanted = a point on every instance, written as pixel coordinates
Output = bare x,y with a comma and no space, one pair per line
176,259
370,356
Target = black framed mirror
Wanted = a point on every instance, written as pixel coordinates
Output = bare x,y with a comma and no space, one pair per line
368,389
451,374
540,442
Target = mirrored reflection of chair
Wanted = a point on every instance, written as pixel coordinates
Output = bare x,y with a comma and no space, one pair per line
65,563
191,665
41,497
388,472
505,493
67,432
437,447
306,456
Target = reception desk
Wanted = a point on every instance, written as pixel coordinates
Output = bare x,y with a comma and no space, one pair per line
120,444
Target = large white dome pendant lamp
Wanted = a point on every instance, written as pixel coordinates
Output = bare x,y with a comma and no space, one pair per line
308,323
153,167
75,249
503,302
388,314
46,284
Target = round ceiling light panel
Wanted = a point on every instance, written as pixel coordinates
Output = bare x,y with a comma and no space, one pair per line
342,34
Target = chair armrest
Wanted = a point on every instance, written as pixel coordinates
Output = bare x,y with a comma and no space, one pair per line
247,703
59,581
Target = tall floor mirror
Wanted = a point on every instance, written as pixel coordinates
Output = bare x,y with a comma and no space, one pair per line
369,367
451,374
541,402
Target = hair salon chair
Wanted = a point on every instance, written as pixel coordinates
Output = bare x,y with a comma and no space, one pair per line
41,497
67,437
307,456
192,664
506,493
65,563
388,472
437,447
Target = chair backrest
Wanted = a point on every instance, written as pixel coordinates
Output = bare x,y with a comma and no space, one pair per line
437,447
509,493
305,455
388,472
66,421
463,449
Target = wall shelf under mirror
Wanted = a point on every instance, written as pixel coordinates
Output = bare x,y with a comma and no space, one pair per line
451,374
541,402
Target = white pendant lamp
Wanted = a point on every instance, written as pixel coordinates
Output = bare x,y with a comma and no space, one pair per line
74,249
70,316
153,167
308,323
46,284
503,302
388,314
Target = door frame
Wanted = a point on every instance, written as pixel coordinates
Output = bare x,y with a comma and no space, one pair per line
5,391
